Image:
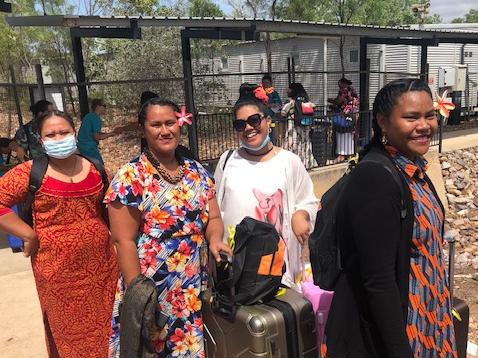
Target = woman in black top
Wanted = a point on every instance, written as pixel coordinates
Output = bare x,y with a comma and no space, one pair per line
392,297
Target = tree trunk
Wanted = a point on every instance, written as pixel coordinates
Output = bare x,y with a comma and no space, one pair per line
342,56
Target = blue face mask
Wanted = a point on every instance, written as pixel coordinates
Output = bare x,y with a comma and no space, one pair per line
60,149
266,141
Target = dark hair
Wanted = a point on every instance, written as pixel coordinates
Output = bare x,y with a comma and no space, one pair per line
247,98
346,81
40,106
267,77
297,90
146,96
5,142
96,102
386,99
155,101
49,114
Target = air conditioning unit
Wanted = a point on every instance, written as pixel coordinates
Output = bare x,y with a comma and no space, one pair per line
460,77
446,77
452,77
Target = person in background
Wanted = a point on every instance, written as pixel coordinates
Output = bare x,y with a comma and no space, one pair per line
90,132
73,260
28,137
7,146
265,182
392,298
346,105
297,138
274,105
163,211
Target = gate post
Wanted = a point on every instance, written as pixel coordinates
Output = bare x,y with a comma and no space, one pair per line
189,92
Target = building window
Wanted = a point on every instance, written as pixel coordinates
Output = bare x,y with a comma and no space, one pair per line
354,56
224,63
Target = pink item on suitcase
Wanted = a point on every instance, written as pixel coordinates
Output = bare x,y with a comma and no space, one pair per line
320,299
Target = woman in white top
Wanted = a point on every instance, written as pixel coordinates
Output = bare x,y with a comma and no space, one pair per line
265,182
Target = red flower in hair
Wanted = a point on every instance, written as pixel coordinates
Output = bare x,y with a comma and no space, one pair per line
261,94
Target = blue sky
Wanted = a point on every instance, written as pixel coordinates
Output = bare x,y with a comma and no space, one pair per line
449,9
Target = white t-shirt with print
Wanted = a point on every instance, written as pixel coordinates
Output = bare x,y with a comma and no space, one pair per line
270,191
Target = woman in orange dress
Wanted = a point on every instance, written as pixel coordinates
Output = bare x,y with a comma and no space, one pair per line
72,257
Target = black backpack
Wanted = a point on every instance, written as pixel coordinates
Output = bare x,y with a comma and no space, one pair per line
37,173
256,270
324,251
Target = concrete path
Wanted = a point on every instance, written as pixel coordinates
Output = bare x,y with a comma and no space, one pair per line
21,328
460,139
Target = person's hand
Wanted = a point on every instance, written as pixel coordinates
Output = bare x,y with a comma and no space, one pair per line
30,245
300,226
217,246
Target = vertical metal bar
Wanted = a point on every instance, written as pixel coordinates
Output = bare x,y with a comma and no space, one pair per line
15,96
364,90
289,71
440,134
40,82
325,75
424,63
293,69
80,73
188,90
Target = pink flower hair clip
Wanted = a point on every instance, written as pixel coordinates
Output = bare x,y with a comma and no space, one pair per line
184,117
442,105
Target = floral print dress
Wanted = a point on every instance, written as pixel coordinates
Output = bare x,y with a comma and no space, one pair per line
171,249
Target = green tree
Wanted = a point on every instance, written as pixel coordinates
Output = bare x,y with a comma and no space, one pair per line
204,8
470,17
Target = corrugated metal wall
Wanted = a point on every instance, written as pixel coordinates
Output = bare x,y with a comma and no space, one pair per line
395,61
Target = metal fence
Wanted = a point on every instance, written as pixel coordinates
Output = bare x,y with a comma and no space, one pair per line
319,144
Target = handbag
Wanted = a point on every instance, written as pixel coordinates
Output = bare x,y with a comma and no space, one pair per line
340,121
307,108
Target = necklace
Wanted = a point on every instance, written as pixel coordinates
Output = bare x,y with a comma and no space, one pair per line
72,172
258,155
173,179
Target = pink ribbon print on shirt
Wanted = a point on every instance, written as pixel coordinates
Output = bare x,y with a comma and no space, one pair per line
270,208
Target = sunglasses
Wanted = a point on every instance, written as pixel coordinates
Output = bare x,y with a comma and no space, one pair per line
254,121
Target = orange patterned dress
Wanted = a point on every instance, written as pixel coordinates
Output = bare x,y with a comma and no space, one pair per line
75,268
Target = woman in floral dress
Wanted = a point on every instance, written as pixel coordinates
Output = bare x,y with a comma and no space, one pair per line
347,104
162,210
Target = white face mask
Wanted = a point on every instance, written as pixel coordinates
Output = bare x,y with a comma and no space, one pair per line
61,148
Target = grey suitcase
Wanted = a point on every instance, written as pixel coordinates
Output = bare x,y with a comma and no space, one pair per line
283,328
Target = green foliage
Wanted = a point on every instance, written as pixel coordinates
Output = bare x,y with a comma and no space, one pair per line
370,12
204,8
470,17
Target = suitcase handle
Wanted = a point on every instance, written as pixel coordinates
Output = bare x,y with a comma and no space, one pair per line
222,305
450,239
